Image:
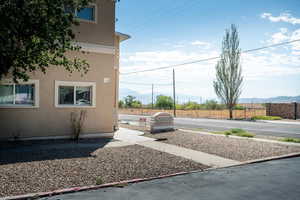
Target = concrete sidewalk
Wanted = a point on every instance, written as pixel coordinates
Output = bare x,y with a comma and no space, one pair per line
134,137
273,180
295,122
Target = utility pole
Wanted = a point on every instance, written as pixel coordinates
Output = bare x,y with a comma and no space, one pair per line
174,96
152,96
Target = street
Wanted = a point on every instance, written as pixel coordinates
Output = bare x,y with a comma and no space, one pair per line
259,128
278,179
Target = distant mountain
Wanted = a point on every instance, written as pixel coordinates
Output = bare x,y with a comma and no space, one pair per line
146,98
279,99
123,92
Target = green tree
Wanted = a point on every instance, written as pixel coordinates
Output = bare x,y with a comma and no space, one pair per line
229,77
121,104
191,105
212,105
129,101
36,34
136,104
164,102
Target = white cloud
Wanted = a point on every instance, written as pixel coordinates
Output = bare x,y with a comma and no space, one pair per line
283,17
197,78
279,36
283,36
202,44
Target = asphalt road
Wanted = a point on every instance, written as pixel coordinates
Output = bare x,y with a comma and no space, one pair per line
271,180
259,128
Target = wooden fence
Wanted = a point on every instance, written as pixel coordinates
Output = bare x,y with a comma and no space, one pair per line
214,114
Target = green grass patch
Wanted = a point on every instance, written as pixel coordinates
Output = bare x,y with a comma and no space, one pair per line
294,140
99,181
237,132
198,129
266,118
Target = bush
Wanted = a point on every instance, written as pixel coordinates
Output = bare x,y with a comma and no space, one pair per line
245,134
121,104
266,118
295,140
99,181
191,106
136,104
239,107
77,121
237,132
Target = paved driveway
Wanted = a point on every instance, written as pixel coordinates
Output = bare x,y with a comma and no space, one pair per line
261,128
271,180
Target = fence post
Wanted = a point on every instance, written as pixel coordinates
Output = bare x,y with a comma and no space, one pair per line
268,109
295,110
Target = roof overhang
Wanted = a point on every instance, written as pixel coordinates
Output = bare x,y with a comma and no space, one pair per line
123,36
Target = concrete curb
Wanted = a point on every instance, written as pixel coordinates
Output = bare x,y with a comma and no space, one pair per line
116,184
243,138
291,155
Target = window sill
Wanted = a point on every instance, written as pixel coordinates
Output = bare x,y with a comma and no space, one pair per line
74,106
18,106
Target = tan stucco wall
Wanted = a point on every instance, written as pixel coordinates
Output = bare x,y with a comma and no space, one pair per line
47,120
101,32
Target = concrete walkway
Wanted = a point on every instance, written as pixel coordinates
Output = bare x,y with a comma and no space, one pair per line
131,136
134,137
196,156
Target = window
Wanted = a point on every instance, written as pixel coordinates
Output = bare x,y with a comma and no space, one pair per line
23,94
75,94
87,13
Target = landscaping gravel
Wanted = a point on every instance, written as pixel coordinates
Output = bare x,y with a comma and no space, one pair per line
232,148
74,168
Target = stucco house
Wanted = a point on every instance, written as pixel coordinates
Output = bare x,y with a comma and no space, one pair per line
41,107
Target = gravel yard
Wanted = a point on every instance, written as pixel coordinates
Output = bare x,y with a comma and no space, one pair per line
74,167
232,148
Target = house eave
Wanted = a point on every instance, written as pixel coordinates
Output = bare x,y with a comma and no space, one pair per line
122,36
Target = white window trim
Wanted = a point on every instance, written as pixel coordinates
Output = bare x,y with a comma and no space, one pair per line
20,82
95,21
75,83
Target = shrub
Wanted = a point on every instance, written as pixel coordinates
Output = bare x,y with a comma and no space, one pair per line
77,121
295,140
121,104
239,107
266,118
245,134
237,130
99,181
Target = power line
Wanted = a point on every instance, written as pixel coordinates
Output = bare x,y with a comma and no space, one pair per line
208,59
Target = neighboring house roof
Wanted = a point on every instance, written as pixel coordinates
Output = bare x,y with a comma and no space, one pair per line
123,36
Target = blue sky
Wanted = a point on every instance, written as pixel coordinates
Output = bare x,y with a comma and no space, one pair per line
168,32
